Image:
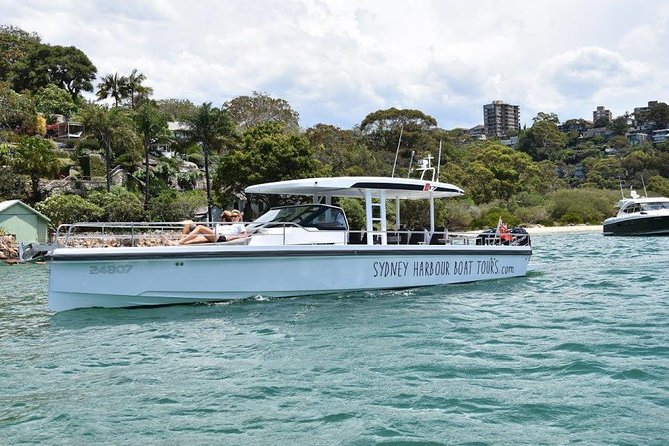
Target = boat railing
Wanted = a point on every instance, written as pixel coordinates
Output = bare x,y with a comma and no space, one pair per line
107,234
438,237
114,234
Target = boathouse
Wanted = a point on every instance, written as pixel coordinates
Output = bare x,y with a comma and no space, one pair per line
26,223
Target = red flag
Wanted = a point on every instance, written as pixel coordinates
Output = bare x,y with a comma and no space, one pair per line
426,187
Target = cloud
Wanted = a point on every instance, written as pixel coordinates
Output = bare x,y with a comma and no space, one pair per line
335,62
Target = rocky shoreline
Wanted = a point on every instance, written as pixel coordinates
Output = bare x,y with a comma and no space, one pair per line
9,249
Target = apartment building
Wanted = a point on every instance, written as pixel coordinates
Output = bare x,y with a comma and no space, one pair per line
601,112
499,119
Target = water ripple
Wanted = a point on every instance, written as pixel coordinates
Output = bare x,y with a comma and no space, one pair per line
575,353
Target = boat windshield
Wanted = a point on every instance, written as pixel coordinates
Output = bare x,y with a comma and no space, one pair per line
310,216
655,206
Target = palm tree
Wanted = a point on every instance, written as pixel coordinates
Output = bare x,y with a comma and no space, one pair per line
112,130
136,90
114,86
151,125
209,126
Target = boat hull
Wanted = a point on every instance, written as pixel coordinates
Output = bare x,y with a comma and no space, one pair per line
129,277
638,225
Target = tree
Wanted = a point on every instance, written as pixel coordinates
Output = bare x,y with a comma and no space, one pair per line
118,204
152,128
51,100
17,111
136,90
250,111
268,154
15,44
210,127
36,158
176,109
619,125
66,67
68,209
659,114
546,117
343,151
113,130
542,139
602,121
496,172
114,86
382,128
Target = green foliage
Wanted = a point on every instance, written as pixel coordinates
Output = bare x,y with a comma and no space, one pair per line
170,205
578,206
69,209
659,114
113,132
118,205
343,152
97,167
51,100
355,212
15,44
137,91
541,140
492,171
382,128
17,111
267,155
12,186
66,67
35,157
489,218
456,214
546,117
176,109
659,185
619,125
113,86
260,108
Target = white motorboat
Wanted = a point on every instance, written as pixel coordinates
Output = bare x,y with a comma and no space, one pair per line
639,216
305,249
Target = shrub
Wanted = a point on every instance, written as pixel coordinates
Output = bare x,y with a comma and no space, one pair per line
455,215
490,217
69,209
118,205
582,205
170,205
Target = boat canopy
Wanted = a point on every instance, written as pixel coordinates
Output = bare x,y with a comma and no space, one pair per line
392,188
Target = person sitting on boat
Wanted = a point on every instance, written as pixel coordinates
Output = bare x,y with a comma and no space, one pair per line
230,229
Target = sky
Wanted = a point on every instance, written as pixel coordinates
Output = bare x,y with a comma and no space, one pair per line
336,61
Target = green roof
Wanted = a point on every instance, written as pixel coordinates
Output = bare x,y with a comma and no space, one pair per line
9,203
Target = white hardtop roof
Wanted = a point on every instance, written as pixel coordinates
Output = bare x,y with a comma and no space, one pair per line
643,200
402,188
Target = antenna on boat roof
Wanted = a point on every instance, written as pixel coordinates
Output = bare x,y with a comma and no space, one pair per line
645,194
439,159
620,182
410,163
397,152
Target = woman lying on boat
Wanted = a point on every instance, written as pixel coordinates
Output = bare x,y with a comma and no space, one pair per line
231,229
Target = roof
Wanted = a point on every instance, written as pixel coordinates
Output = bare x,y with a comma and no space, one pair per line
403,188
9,203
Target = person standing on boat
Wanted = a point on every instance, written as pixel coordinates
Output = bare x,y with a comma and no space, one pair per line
230,229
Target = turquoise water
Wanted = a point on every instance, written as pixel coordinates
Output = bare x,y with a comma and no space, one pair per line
575,354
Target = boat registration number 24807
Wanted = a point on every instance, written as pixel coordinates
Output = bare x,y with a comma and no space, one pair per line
109,269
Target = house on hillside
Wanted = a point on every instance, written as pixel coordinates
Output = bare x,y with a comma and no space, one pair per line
660,136
26,223
635,138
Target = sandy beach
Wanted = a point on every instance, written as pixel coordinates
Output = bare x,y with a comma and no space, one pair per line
559,229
